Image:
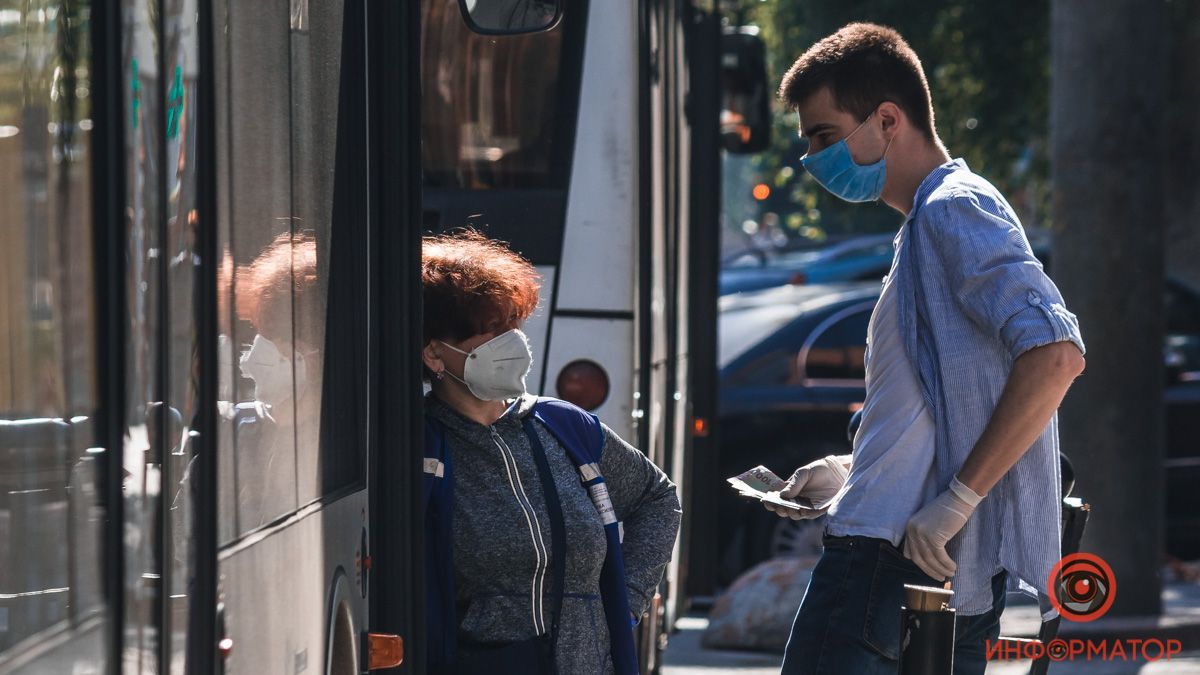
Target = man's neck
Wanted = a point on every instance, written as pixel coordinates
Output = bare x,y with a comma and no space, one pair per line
904,179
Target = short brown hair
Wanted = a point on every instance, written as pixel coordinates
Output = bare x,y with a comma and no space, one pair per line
863,64
474,285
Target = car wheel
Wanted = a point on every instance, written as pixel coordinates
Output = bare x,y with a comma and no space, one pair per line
791,538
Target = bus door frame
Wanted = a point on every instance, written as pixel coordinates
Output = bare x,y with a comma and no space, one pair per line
394,472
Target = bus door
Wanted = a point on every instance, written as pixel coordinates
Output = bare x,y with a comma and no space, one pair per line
298,238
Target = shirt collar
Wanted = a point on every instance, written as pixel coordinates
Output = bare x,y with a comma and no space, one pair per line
933,180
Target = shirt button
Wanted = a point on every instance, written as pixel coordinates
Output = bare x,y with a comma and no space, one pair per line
1034,298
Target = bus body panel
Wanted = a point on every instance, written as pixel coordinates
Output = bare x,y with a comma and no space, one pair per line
278,626
602,216
537,328
604,341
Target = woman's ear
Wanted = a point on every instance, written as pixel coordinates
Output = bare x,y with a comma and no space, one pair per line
432,357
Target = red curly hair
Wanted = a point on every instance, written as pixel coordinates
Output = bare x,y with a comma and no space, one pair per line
474,285
285,272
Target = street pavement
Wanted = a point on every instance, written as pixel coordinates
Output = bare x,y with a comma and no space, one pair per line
685,656
1180,620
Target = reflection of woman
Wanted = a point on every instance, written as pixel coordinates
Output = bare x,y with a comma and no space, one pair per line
278,294
278,286
496,525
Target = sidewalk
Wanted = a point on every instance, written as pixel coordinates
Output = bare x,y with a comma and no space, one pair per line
685,656
1180,620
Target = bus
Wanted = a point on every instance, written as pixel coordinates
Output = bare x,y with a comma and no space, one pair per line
577,146
203,257
210,401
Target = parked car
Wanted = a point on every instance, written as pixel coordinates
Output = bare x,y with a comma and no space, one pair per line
855,259
792,374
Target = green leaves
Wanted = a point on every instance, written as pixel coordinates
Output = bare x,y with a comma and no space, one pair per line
988,69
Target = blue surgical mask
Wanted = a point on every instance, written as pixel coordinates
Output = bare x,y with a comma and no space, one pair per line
837,171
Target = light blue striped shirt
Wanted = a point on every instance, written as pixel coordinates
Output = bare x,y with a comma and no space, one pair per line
973,298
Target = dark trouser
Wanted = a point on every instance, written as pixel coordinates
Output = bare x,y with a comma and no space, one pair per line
849,619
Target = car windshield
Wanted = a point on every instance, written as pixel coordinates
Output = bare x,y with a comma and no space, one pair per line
749,318
854,247
741,329
797,258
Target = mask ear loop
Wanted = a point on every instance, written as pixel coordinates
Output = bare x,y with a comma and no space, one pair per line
455,378
441,374
860,125
885,148
455,349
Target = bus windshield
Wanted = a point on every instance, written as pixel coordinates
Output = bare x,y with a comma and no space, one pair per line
489,105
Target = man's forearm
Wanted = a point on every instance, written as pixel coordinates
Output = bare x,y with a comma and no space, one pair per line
1036,386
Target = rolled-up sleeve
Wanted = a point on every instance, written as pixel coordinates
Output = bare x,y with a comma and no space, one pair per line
996,279
648,507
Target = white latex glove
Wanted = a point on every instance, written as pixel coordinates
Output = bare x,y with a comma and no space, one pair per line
818,481
930,528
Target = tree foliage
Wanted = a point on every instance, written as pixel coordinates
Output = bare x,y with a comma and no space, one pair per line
988,68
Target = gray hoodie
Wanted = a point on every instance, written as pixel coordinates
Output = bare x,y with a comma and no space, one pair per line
502,539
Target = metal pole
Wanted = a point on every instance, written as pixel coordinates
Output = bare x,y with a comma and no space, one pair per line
926,631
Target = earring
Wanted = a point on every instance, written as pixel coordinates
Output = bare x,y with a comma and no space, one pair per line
440,375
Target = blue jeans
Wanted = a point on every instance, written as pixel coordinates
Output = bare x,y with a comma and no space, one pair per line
849,619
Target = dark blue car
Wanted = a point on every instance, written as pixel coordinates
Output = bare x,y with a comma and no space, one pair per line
792,374
864,258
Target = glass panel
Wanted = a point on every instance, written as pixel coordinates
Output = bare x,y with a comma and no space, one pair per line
838,352
329,249
144,415
51,518
292,163
228,373
488,105
183,266
257,228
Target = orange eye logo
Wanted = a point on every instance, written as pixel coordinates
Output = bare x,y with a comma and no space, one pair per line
1082,587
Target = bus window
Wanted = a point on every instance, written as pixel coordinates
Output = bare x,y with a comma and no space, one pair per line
293,224
144,412
182,261
255,227
488,105
51,518
329,200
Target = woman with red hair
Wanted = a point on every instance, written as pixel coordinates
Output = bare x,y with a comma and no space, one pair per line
532,505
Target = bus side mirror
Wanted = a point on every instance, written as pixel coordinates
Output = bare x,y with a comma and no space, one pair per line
510,17
745,107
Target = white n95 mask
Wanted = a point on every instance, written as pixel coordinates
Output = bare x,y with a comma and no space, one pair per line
496,369
271,371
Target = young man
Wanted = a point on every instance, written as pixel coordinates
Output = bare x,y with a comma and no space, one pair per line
955,469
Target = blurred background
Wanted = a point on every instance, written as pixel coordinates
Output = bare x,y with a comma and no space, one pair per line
1081,113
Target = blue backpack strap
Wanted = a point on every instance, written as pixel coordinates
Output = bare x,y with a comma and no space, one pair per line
582,436
577,430
438,487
